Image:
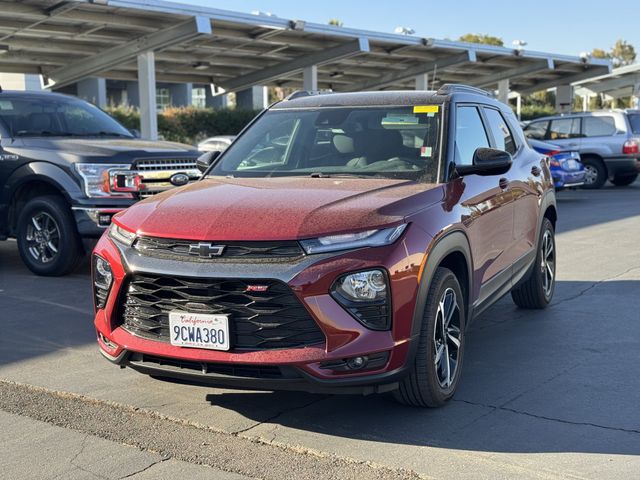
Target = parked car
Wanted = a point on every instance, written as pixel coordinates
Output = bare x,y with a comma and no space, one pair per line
351,259
66,168
608,142
218,143
566,169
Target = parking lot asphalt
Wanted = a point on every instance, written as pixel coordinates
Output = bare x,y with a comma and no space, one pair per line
544,394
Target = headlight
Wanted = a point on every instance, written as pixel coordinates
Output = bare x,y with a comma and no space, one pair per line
369,238
366,296
95,177
102,280
121,235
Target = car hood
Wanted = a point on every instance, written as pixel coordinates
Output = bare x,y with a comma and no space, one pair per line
277,208
95,148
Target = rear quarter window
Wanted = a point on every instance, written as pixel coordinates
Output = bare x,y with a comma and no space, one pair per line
599,126
634,122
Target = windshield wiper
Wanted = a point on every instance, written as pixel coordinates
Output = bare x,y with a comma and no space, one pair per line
107,134
339,175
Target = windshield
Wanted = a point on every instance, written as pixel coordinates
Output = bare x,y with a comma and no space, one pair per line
56,116
634,120
388,142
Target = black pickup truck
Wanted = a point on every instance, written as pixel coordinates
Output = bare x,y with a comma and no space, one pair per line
66,168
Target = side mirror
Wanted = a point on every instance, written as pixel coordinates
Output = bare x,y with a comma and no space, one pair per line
206,159
487,161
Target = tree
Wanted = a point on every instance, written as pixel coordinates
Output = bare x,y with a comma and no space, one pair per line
481,38
623,53
336,22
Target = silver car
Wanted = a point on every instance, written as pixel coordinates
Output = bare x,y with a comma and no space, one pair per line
218,143
608,142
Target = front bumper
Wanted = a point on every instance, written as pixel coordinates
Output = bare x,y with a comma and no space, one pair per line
310,279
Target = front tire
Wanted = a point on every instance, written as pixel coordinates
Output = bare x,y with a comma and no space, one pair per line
595,173
436,369
624,180
537,290
48,239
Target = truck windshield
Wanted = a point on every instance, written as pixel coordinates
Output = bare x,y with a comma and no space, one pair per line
388,142
56,116
634,120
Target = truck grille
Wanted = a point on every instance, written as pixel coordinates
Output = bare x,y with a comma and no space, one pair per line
236,251
156,173
266,320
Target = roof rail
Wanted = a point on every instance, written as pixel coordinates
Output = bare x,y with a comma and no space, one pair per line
449,88
307,93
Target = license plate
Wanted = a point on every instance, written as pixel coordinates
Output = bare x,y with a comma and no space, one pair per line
572,165
197,330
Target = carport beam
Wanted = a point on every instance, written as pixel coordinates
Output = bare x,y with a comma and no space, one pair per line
310,78
422,81
147,89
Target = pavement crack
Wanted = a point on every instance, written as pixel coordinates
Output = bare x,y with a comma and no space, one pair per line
72,461
278,415
544,417
592,286
151,465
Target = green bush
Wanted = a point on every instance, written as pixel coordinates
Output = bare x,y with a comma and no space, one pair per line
188,124
529,112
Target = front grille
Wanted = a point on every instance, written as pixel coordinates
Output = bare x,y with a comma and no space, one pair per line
266,320
213,369
154,164
237,251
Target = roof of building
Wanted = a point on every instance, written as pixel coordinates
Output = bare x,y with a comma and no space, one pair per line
70,40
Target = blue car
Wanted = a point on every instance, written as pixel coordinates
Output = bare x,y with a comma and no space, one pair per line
566,168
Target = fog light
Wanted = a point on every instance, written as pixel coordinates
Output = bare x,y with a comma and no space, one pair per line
102,280
356,363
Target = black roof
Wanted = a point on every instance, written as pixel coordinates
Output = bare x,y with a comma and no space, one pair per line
395,98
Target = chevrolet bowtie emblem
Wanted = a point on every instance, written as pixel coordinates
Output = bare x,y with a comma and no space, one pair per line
206,250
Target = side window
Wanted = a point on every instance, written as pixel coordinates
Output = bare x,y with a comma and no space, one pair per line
537,130
599,126
564,128
500,130
470,134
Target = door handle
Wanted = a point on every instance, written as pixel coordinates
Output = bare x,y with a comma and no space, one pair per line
535,170
504,183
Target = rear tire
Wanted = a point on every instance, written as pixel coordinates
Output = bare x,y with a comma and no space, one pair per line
595,173
624,180
437,365
48,239
537,290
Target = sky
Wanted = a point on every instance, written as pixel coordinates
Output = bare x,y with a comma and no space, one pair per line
561,26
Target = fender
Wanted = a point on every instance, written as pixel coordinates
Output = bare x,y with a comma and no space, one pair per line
43,172
454,241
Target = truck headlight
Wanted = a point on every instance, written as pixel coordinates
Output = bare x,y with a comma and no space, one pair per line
121,235
95,177
365,295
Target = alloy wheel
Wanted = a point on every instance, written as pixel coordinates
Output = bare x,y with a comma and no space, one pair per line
590,174
447,338
548,263
43,237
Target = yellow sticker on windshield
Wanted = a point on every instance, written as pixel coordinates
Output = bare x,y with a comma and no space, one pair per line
426,109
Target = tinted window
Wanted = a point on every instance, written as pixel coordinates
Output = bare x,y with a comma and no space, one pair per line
470,134
634,120
392,142
40,115
563,128
599,126
500,130
537,130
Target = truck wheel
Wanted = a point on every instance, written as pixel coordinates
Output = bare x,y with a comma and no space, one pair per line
537,290
595,173
437,365
48,240
624,180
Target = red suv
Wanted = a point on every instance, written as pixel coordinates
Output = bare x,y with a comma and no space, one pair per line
342,243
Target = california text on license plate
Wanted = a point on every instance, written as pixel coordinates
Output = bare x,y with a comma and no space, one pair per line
197,330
